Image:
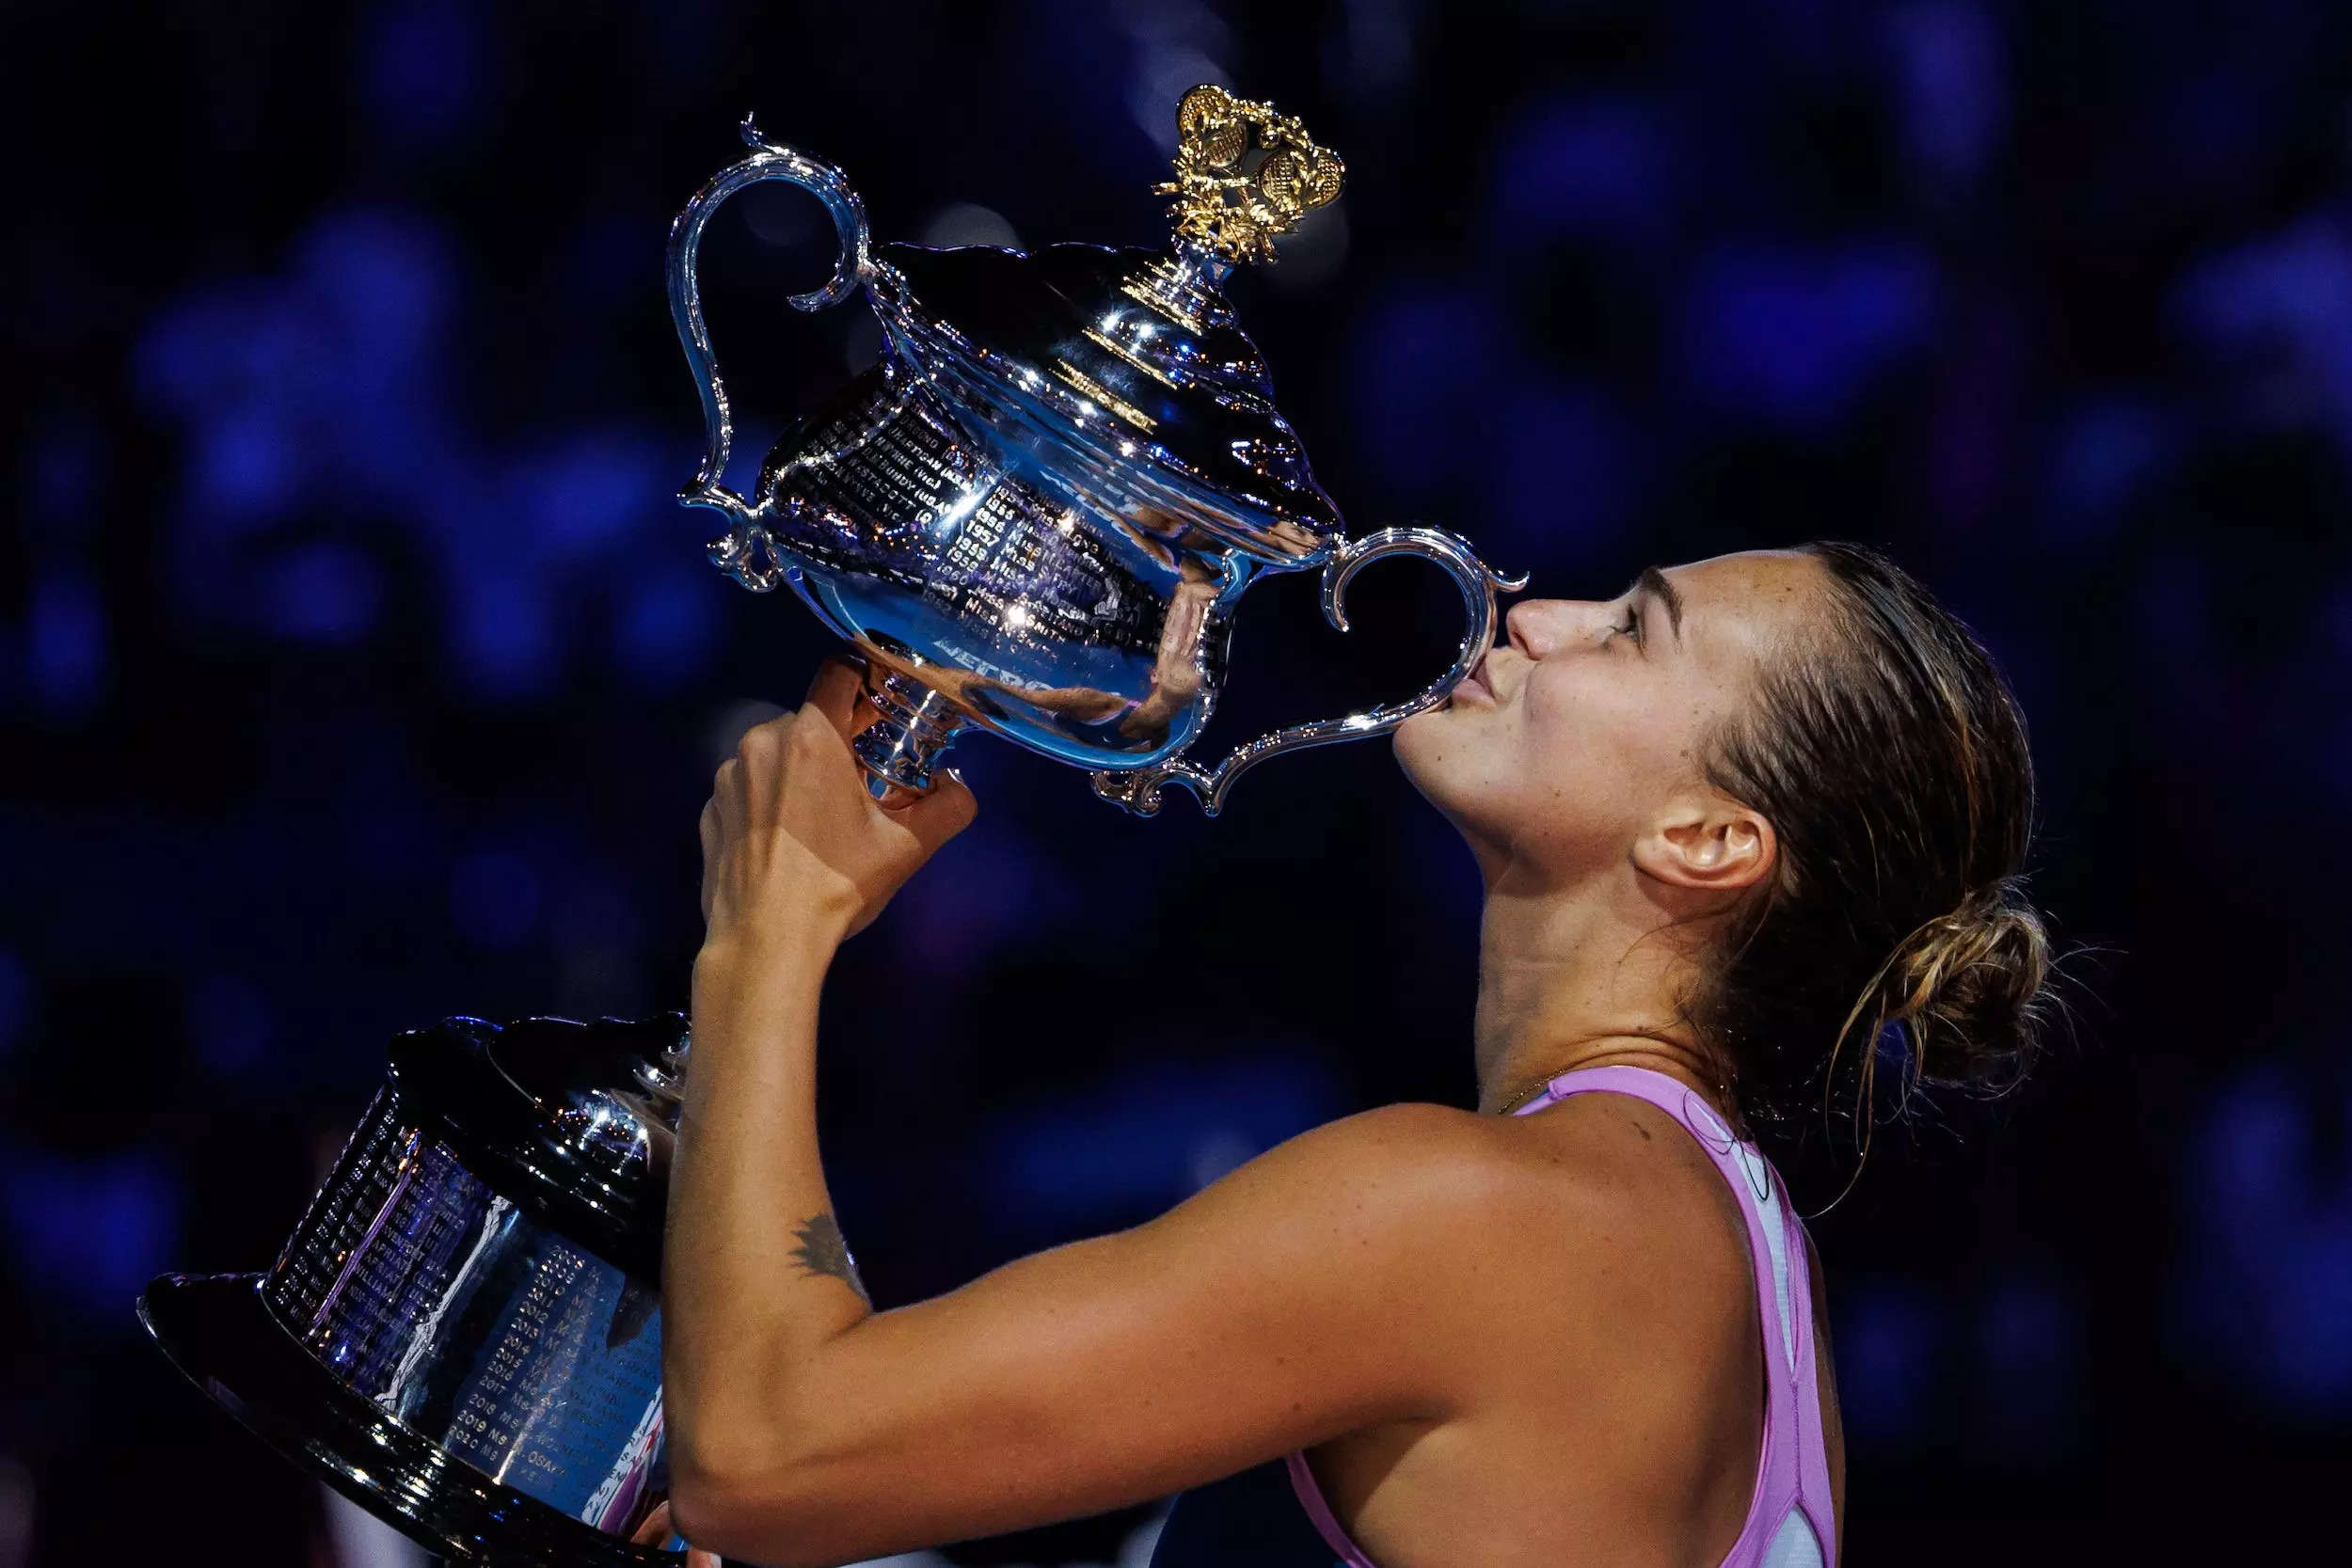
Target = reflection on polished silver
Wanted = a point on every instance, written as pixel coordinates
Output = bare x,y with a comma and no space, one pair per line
1036,513
919,724
441,1301
464,1332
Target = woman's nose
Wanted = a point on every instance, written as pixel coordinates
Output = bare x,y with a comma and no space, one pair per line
1522,627
1540,626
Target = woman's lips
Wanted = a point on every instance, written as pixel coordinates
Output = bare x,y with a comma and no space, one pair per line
1474,687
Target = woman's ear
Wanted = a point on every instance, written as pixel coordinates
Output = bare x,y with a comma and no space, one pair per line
1709,842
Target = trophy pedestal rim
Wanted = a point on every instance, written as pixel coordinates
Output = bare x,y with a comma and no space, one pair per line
216,1331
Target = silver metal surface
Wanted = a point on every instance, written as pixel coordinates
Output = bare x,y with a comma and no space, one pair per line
1037,513
475,1326
463,1334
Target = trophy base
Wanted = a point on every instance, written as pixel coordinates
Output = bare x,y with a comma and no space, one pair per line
216,1329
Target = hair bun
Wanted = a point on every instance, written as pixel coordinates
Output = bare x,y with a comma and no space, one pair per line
1970,989
1891,758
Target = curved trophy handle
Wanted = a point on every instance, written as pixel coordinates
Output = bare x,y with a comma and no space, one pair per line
1138,789
744,552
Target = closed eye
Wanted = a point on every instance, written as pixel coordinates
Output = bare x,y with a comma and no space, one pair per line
1631,626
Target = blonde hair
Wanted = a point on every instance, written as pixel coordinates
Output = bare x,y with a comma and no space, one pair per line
1892,760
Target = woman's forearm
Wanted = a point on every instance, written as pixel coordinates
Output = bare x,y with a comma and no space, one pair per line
757,1284
756,1277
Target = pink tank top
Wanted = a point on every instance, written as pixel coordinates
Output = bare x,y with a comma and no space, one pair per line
1790,1523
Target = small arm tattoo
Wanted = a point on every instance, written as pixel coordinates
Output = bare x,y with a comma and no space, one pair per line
822,1250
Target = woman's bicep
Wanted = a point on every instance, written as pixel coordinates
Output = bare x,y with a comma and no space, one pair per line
1098,1374
1269,1312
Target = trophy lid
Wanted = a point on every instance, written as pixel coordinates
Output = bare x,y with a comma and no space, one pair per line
1130,361
572,1121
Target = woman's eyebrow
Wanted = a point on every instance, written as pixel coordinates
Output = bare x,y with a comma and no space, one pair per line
1654,581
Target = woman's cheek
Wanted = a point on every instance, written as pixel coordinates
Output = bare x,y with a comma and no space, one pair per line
1554,738
1456,765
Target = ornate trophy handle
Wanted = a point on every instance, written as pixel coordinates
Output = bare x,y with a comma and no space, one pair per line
1138,789
744,551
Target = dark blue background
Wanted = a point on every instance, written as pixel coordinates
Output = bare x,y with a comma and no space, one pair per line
356,668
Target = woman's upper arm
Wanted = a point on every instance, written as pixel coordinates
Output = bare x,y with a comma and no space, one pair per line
1309,1292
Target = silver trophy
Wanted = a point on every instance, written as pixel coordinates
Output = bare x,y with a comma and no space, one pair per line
1036,513
1034,516
463,1334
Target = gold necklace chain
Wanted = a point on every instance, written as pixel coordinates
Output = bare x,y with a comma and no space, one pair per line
1521,1099
1541,1085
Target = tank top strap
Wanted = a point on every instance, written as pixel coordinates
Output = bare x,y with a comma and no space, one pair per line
1793,1474
1812,1441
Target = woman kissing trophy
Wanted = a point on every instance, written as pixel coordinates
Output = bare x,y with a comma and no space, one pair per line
1034,516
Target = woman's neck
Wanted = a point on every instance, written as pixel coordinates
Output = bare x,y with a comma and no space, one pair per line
1565,981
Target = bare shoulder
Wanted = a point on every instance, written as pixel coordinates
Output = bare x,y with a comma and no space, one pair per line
1398,1162
1645,1191
1577,1193
1605,1155
1586,1263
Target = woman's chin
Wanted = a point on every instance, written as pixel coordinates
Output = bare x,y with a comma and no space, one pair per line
1424,749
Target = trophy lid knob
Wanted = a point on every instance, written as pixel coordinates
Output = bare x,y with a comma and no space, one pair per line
1130,361
1245,173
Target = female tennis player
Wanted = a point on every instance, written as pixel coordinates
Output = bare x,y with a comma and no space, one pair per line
1733,824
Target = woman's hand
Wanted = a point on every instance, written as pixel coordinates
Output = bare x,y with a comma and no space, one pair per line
656,1531
791,841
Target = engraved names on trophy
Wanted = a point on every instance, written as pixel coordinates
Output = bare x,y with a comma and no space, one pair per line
566,1403
430,1294
893,482
339,1215
906,500
387,1255
379,1247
